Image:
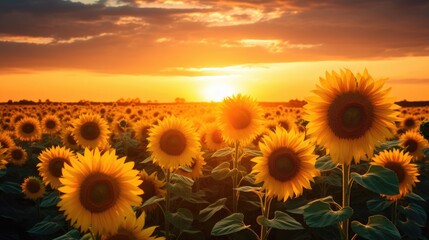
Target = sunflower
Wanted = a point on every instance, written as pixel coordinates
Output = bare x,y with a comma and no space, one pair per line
33,188
98,190
399,162
51,164
350,115
287,164
213,137
51,124
287,123
17,156
196,168
151,187
3,162
240,119
414,143
6,141
141,130
28,129
132,228
90,130
173,143
68,140
408,123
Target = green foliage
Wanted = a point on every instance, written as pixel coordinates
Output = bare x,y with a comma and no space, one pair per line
223,152
182,219
281,220
378,204
222,171
206,213
48,226
320,214
378,227
378,179
10,187
70,235
231,224
50,199
325,163
415,213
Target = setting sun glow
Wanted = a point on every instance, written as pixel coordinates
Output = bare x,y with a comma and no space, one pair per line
216,92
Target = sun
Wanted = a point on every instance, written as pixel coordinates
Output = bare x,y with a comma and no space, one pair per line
217,91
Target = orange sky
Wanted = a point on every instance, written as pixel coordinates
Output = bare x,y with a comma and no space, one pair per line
203,50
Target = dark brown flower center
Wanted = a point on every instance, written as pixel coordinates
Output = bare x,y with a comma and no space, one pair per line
285,125
240,118
173,142
33,185
99,192
149,189
28,128
17,154
90,131
50,124
56,165
122,234
71,140
283,164
398,169
410,145
217,136
409,122
350,115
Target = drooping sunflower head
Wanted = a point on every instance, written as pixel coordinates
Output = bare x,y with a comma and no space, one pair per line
98,190
287,165
414,143
17,156
51,124
240,118
399,162
173,143
51,164
350,114
28,129
90,130
195,170
151,187
132,228
33,188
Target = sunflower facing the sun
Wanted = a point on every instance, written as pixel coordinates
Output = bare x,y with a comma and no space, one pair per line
98,190
90,131
28,129
173,143
51,164
240,119
350,115
399,162
414,143
287,165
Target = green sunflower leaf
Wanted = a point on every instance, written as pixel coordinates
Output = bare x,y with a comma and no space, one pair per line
70,235
223,152
47,226
378,204
378,179
387,145
10,187
281,221
211,209
415,196
182,219
223,171
415,213
378,227
325,163
152,200
320,214
252,152
51,199
300,209
231,224
411,229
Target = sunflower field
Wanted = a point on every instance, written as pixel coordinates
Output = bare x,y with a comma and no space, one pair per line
350,164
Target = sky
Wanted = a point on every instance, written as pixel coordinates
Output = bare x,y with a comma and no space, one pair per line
272,50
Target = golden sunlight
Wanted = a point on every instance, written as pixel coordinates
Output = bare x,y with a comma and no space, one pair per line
218,90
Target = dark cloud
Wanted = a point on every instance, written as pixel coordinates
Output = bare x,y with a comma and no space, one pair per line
340,29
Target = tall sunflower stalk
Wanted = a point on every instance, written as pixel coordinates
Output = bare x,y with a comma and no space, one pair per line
349,115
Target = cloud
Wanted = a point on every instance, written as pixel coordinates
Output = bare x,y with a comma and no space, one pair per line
147,37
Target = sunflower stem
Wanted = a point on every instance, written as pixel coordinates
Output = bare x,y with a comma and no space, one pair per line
395,212
167,205
235,179
266,214
346,198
